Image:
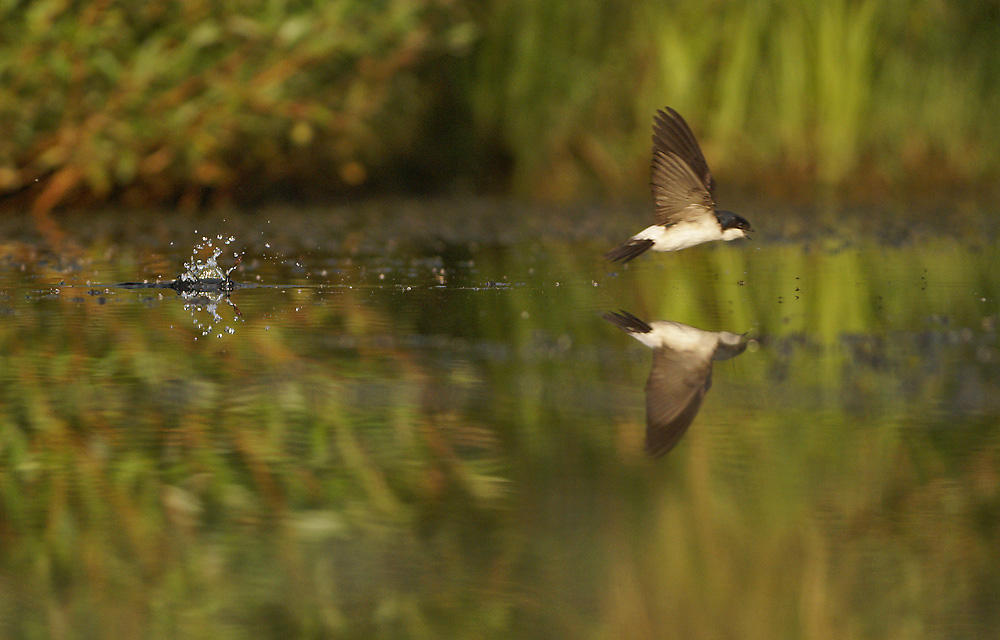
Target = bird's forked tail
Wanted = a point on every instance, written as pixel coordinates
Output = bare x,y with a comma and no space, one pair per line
632,248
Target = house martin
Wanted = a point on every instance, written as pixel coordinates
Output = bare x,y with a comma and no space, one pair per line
683,196
681,373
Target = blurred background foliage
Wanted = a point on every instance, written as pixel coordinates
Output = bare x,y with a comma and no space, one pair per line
202,103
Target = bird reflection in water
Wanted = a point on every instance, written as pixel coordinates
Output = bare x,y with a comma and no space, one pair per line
681,373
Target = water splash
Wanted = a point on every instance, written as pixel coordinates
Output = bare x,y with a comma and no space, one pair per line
204,286
198,270
200,305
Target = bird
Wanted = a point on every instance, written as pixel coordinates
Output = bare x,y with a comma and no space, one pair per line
683,196
681,374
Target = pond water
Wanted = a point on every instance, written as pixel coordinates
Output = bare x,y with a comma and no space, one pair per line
417,422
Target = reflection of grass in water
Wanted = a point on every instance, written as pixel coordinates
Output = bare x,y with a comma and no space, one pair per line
289,483
798,505
141,474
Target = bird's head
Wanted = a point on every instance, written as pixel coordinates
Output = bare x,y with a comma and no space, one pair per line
733,226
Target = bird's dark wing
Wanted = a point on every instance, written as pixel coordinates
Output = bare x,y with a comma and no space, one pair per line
678,194
672,135
676,387
627,322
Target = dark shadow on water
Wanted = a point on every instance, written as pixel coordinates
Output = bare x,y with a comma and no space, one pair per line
197,285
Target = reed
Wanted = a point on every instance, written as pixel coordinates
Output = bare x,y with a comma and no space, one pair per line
205,105
850,95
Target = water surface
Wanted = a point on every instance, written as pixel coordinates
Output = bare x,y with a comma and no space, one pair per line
417,423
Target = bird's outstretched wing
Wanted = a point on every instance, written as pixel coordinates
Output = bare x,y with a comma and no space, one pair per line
671,134
678,195
676,387
681,183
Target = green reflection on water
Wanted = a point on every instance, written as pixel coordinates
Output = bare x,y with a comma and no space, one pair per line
465,459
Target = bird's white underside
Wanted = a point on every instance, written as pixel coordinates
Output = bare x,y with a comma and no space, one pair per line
679,337
687,234
682,337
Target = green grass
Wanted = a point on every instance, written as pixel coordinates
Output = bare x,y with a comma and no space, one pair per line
790,95
203,104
